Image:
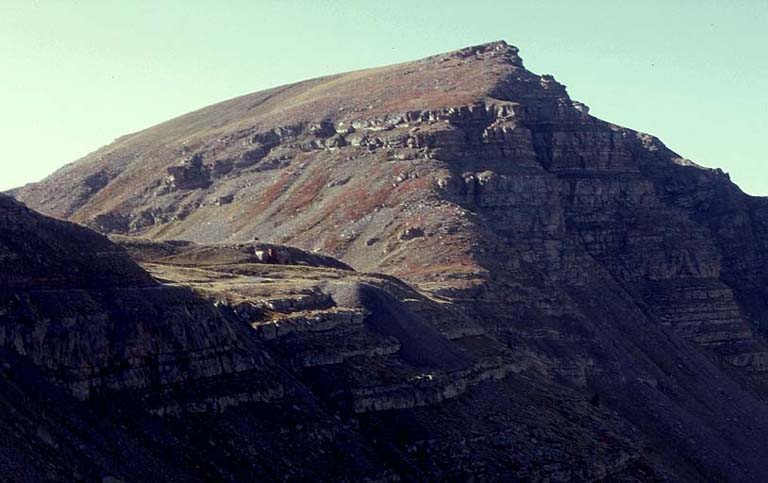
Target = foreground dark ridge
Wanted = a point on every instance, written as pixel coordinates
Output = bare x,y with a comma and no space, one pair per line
241,367
561,258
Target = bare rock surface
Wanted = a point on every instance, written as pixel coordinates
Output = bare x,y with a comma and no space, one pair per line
219,366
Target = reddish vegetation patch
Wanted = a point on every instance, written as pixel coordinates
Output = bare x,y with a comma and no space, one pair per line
107,199
435,271
333,243
413,185
305,194
358,202
273,192
399,168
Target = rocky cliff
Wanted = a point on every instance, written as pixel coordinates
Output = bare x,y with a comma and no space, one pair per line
558,259
100,359
235,362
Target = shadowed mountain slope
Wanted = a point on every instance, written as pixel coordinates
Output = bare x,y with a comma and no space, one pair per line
233,368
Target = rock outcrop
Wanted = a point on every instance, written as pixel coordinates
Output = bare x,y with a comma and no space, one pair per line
119,366
303,362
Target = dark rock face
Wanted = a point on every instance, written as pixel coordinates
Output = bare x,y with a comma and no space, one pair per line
113,361
43,253
563,263
190,174
266,370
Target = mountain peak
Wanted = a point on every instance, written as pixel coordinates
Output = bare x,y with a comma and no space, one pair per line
498,49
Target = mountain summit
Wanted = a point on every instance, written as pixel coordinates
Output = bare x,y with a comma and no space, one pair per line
250,134
560,253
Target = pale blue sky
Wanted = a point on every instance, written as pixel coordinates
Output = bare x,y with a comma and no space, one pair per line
76,74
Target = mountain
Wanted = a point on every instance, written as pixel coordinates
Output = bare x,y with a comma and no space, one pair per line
582,303
253,361
99,361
